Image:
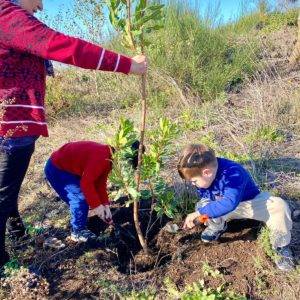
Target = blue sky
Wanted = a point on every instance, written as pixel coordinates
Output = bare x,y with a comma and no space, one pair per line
228,9
225,9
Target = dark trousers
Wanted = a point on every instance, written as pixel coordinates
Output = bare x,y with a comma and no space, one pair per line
13,167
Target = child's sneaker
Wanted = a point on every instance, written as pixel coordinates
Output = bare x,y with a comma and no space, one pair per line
212,232
83,236
285,259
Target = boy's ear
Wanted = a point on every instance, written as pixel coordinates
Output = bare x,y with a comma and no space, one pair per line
207,172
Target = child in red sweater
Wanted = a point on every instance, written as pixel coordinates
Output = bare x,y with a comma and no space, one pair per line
78,173
26,45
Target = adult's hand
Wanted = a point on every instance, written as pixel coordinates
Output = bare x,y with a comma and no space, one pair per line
139,65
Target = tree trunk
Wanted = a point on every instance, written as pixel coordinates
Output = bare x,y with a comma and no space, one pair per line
141,237
140,159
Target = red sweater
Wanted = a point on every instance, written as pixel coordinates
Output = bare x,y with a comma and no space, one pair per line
25,43
92,162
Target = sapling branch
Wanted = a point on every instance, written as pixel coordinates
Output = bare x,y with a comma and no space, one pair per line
132,21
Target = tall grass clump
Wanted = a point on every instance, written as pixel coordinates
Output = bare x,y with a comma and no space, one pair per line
256,23
198,56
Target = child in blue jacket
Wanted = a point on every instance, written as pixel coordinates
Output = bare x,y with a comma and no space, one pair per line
227,192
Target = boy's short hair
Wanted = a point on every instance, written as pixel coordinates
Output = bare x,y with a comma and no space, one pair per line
193,159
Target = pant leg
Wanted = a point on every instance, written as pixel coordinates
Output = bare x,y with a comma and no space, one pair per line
67,186
3,220
13,167
271,210
78,207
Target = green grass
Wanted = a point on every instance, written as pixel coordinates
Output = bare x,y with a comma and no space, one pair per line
261,23
203,60
264,240
198,291
198,56
265,134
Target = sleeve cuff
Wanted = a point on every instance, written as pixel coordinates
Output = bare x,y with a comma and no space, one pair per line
124,64
94,204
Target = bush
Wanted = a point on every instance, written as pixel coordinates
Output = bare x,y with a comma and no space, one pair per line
214,60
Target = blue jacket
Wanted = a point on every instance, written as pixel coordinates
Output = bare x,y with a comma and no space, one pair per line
232,185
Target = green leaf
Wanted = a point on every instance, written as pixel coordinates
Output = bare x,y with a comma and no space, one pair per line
156,7
133,193
117,195
141,6
145,194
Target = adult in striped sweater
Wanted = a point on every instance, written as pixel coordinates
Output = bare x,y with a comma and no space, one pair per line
26,45
78,172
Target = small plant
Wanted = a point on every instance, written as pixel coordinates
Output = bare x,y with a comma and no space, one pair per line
134,19
198,291
133,25
34,230
11,267
265,133
109,289
191,121
261,282
122,174
264,240
155,157
209,271
144,295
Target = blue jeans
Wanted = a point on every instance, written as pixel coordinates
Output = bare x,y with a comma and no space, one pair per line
67,186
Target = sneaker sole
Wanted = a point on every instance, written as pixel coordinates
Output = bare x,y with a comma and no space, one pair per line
217,237
289,269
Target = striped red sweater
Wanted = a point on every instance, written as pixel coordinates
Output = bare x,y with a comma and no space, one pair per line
25,43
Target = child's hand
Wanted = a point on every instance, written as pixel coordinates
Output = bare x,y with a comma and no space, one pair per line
194,219
107,212
189,221
139,65
102,211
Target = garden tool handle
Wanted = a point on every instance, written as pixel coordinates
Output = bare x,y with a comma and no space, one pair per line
201,219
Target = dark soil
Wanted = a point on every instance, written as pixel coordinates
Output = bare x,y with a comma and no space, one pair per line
116,263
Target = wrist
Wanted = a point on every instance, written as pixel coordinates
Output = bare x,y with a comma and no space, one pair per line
94,207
